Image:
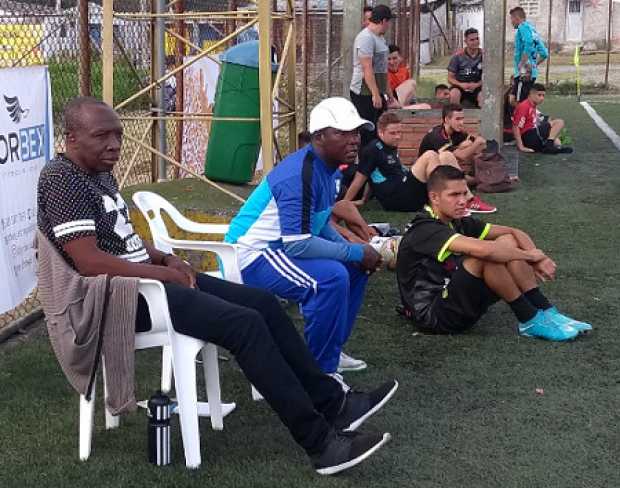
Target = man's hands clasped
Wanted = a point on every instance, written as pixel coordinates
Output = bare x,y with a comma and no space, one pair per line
179,271
372,260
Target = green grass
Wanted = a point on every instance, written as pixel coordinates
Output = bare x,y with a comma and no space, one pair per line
467,413
609,112
65,82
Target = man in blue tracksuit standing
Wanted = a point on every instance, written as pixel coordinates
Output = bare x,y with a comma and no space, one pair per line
530,52
287,245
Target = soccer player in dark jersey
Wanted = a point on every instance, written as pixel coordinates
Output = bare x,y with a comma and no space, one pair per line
81,211
452,268
465,71
396,187
451,136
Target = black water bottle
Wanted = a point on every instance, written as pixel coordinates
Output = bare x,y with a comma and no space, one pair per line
158,410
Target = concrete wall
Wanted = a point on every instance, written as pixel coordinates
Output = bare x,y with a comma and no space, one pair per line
594,23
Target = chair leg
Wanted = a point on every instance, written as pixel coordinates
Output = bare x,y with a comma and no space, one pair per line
166,369
111,421
87,420
212,380
183,358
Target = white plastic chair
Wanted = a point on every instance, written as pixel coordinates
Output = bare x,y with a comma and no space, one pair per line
152,205
180,352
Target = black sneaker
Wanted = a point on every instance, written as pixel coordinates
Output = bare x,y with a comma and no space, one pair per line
550,148
565,150
346,449
359,406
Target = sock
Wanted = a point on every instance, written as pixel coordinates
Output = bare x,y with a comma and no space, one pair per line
523,309
536,298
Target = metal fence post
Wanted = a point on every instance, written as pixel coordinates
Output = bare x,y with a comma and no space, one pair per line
84,57
158,101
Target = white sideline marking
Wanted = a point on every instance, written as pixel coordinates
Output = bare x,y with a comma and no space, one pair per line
598,120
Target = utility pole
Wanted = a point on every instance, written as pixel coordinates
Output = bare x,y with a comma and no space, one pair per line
491,117
351,26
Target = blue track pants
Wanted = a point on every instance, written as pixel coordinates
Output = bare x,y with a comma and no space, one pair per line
330,294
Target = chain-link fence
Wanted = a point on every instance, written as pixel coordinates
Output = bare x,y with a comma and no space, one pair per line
36,33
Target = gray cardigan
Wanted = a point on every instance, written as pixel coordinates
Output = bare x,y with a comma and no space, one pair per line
83,324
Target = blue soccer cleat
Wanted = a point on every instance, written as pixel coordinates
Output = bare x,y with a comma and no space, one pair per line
543,327
554,315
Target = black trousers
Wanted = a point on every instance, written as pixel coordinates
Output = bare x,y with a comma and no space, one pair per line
251,324
366,110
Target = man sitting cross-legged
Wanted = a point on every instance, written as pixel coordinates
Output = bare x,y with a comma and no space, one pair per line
451,136
82,213
534,132
452,268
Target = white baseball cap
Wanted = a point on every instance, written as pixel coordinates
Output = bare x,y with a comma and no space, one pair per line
338,113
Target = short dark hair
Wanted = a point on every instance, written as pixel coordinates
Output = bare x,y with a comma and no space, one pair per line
518,12
387,118
449,109
441,86
440,175
367,8
381,13
73,116
538,87
470,31
303,138
393,48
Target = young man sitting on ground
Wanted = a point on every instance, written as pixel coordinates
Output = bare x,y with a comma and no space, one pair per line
452,268
399,78
82,213
442,95
533,132
396,187
451,136
465,71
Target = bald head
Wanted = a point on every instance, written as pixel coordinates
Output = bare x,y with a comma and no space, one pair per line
75,114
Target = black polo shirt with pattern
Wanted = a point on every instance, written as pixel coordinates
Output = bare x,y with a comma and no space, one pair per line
438,139
73,204
425,264
466,68
381,164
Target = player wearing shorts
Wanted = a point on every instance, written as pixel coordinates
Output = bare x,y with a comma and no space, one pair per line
452,268
465,71
396,187
534,132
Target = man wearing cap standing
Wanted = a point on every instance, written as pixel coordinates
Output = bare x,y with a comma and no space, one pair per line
370,90
287,244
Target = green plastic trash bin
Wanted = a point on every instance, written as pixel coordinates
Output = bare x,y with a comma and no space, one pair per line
234,146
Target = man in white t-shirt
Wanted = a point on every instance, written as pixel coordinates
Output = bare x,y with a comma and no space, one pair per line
369,90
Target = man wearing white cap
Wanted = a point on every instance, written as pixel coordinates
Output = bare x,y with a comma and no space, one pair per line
287,244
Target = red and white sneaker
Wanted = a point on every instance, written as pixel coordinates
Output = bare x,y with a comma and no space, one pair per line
476,205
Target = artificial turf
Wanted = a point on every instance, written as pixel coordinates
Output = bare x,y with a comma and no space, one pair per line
484,409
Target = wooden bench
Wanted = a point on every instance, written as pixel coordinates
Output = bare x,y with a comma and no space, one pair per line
417,123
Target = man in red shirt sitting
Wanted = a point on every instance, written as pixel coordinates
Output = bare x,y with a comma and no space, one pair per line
533,131
399,77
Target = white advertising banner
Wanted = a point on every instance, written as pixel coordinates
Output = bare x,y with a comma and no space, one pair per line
199,82
26,144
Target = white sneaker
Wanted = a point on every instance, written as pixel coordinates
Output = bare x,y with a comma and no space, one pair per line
388,248
347,363
340,379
